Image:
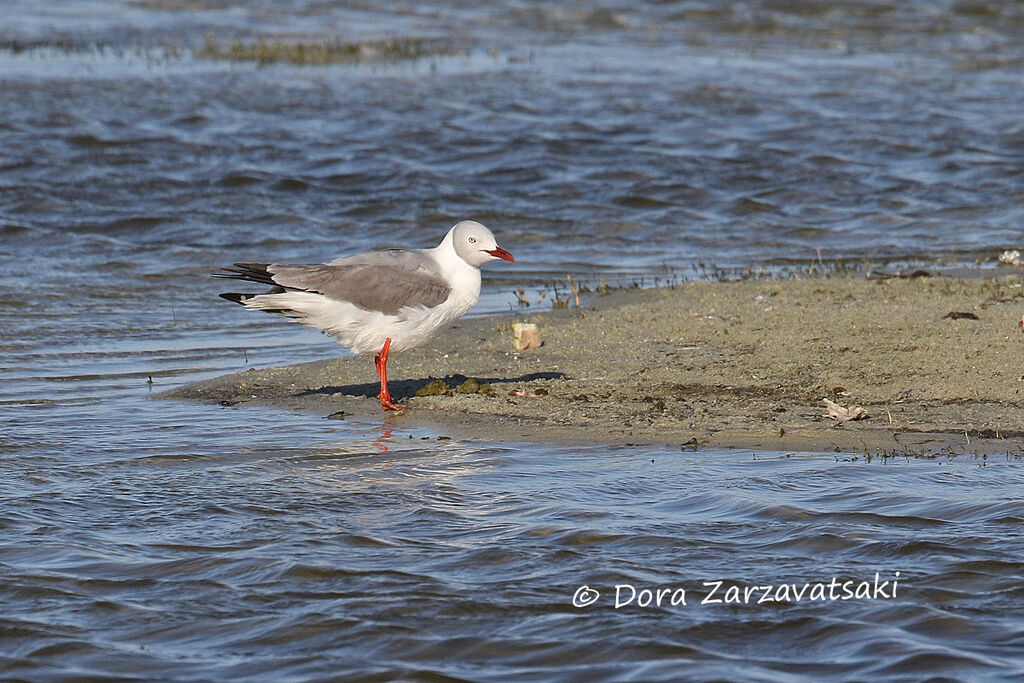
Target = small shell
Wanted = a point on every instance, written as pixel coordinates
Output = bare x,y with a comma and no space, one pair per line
525,336
843,414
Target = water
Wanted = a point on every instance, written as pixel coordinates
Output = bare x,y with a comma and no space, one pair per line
159,540
314,555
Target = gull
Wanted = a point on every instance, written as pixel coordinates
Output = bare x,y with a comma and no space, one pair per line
380,301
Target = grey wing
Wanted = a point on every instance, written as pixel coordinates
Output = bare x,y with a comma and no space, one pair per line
378,281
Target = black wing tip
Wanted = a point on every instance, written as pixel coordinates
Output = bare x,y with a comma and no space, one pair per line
236,297
250,272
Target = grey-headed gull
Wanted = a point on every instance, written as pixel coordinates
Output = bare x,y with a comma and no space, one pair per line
387,300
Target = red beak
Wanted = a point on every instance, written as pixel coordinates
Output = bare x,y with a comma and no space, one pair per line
498,252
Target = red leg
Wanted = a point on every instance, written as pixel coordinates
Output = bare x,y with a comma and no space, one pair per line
381,361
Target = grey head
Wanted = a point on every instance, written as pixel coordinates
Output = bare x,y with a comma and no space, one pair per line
476,245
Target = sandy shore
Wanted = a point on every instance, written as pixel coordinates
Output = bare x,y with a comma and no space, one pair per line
742,364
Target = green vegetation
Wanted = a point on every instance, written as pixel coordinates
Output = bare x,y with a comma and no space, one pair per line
325,52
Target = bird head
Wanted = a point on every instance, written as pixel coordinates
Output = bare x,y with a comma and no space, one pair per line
475,244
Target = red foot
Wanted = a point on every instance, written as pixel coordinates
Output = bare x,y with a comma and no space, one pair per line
387,404
381,361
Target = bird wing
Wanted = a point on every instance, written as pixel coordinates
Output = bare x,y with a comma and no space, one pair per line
384,281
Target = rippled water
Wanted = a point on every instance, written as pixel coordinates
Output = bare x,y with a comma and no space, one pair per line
318,554
159,540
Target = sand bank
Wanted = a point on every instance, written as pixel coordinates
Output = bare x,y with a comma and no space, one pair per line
742,364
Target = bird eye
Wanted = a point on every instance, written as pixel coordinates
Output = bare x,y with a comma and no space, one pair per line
472,240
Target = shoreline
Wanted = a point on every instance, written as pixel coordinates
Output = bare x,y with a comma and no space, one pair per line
727,364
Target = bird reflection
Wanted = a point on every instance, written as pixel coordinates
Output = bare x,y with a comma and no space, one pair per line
379,442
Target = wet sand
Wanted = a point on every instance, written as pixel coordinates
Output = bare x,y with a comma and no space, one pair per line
740,364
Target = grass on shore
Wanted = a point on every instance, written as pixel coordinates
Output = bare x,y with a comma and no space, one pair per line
324,52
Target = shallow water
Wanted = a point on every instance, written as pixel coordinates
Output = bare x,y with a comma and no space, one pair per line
154,539
252,544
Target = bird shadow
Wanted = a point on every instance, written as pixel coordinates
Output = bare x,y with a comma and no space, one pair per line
407,388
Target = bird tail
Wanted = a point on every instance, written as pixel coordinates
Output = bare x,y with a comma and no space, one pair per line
269,303
258,273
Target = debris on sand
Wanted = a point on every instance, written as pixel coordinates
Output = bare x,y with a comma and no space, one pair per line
960,315
525,336
436,387
1020,325
843,414
439,387
472,386
902,275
